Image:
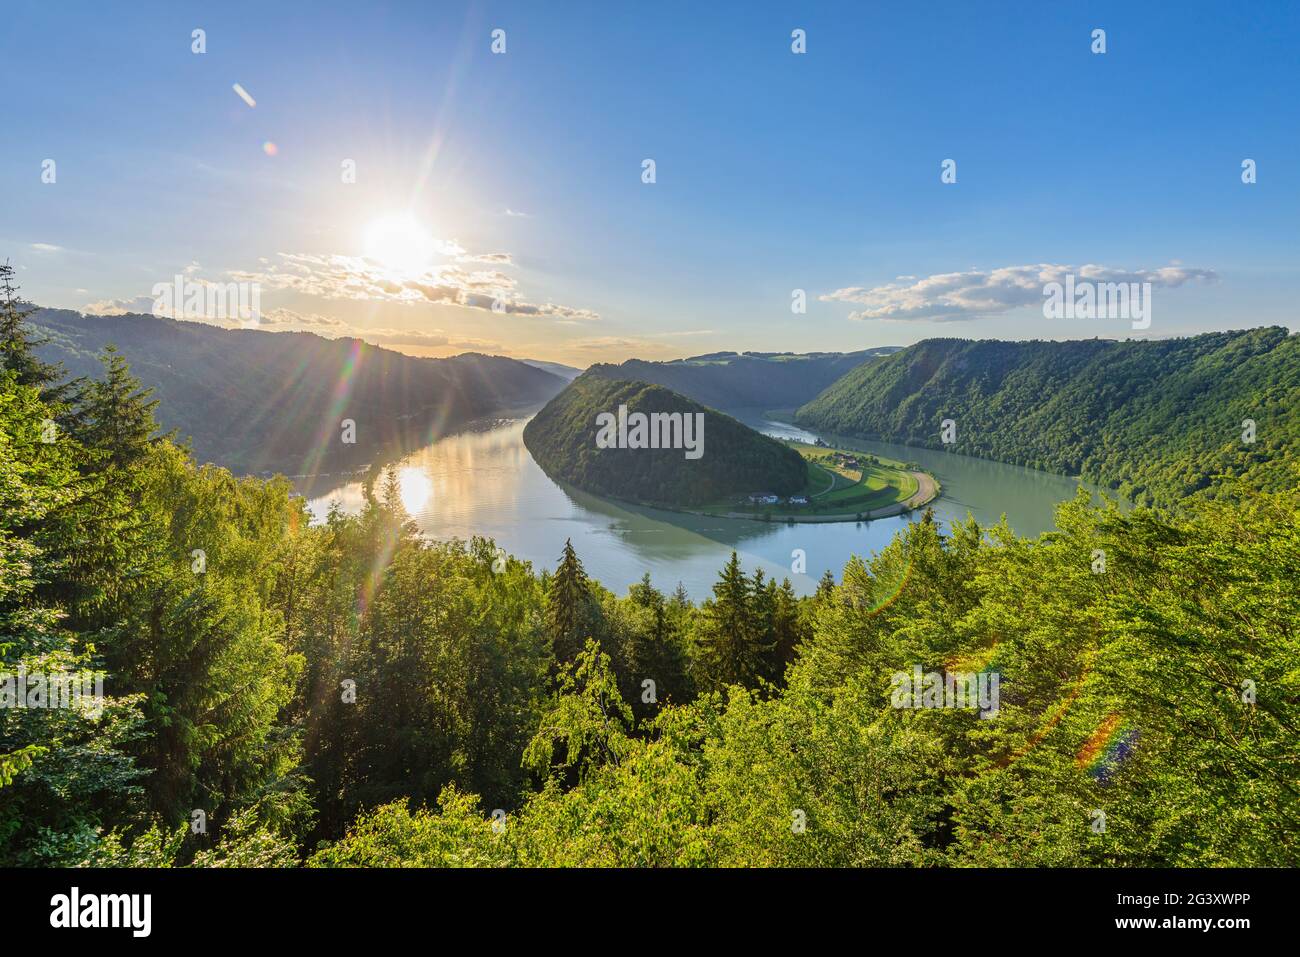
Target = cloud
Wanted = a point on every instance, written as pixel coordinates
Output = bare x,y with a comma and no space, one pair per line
46,247
601,343
616,348
500,259
958,296
119,307
299,320
433,338
360,278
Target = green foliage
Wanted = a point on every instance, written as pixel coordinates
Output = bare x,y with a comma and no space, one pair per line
504,718
570,611
829,773
750,380
115,415
1159,420
392,836
450,661
18,342
590,718
735,460
244,843
60,768
252,400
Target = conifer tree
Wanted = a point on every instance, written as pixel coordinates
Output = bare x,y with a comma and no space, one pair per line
568,606
117,413
655,650
730,647
788,628
18,344
826,585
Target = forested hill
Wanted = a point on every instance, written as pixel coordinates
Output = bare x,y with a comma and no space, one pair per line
251,400
735,459
229,631
750,380
1157,420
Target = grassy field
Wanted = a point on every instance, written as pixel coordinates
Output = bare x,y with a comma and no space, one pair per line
836,488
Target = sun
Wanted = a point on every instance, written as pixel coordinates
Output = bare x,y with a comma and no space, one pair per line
400,243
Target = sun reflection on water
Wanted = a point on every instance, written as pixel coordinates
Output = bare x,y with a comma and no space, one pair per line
416,488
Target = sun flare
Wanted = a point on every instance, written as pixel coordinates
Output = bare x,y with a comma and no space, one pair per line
400,243
416,489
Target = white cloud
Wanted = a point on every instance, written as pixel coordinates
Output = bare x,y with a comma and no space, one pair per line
119,307
359,278
312,321
499,259
617,348
953,297
433,338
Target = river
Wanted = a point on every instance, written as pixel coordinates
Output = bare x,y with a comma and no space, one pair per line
484,482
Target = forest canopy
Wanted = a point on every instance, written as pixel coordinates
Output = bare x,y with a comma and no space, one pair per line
733,459
282,693
1158,420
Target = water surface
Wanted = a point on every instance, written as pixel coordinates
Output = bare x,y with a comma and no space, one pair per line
484,482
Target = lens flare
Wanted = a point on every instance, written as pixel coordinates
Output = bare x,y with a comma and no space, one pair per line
1108,748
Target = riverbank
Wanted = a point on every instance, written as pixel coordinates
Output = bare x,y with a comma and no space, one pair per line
928,490
844,485
485,483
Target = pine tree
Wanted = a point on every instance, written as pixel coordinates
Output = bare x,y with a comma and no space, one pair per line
826,586
62,770
762,611
116,414
731,645
653,648
18,344
391,495
568,606
788,628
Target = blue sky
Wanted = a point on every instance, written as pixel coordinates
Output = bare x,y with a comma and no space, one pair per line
775,171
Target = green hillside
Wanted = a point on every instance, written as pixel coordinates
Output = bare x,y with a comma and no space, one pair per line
1157,420
251,400
1159,692
735,458
750,380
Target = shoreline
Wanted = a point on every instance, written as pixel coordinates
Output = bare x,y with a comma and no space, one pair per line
928,489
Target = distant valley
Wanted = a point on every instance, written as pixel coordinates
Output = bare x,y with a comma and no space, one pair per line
257,401
748,380
1157,420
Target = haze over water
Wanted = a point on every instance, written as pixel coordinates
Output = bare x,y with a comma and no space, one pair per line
486,483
